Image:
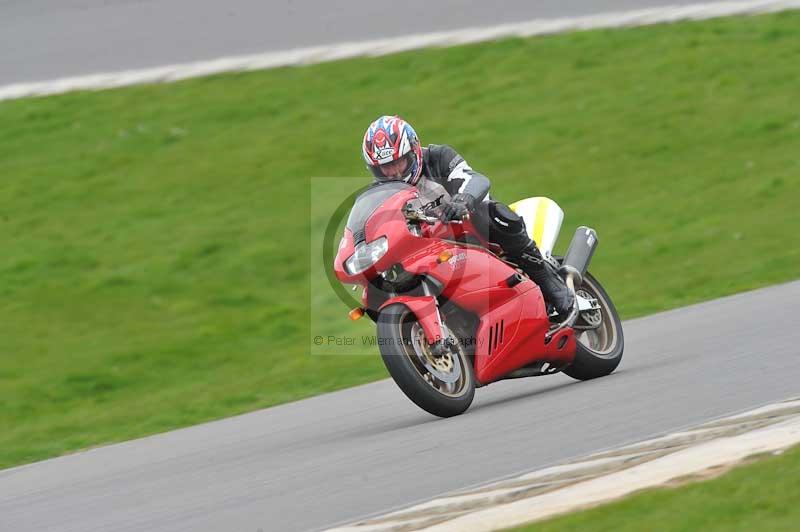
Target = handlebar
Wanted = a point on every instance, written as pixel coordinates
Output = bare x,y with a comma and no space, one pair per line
419,215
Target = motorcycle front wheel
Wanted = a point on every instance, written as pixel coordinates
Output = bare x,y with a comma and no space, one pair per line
442,385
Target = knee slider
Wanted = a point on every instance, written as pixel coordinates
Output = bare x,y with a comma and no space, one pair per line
504,219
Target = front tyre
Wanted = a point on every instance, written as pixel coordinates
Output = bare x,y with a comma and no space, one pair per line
599,336
441,385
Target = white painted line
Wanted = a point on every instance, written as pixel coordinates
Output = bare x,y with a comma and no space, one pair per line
573,467
764,410
319,54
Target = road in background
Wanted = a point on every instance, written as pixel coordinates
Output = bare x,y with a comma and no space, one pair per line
366,450
49,39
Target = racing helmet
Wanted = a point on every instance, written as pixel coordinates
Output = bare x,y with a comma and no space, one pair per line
392,151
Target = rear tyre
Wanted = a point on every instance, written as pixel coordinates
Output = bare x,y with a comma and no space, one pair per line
599,350
443,385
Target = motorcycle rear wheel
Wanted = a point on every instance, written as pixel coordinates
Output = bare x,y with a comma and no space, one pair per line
599,351
443,386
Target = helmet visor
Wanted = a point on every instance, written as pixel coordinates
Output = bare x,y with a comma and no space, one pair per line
397,170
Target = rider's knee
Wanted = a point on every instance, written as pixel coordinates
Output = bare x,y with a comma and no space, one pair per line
504,219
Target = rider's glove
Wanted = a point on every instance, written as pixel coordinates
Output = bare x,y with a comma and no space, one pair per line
458,208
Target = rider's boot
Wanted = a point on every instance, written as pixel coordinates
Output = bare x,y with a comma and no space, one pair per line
553,287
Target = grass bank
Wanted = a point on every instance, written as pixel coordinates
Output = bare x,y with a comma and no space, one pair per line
759,496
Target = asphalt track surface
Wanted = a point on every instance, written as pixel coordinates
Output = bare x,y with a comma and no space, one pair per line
344,455
48,39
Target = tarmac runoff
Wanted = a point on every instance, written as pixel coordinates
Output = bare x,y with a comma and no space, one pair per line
695,454
372,48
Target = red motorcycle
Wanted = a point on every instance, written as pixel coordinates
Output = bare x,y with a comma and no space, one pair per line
452,314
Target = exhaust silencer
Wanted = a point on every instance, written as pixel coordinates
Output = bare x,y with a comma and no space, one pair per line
579,254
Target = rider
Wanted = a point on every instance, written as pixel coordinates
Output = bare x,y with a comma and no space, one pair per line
393,152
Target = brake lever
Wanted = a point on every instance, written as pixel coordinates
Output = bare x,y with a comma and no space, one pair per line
422,216
419,216
430,219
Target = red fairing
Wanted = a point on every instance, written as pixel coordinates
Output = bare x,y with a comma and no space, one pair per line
512,319
511,336
424,308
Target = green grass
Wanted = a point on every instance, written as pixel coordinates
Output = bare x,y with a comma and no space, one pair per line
760,496
155,268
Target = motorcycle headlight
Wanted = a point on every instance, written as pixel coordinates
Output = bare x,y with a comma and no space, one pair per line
366,255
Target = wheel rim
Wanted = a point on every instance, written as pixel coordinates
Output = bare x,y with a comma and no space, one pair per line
601,340
445,374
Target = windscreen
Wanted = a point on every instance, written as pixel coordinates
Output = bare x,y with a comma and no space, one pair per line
368,202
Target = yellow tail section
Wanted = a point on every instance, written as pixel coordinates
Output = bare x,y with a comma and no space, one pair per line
543,218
